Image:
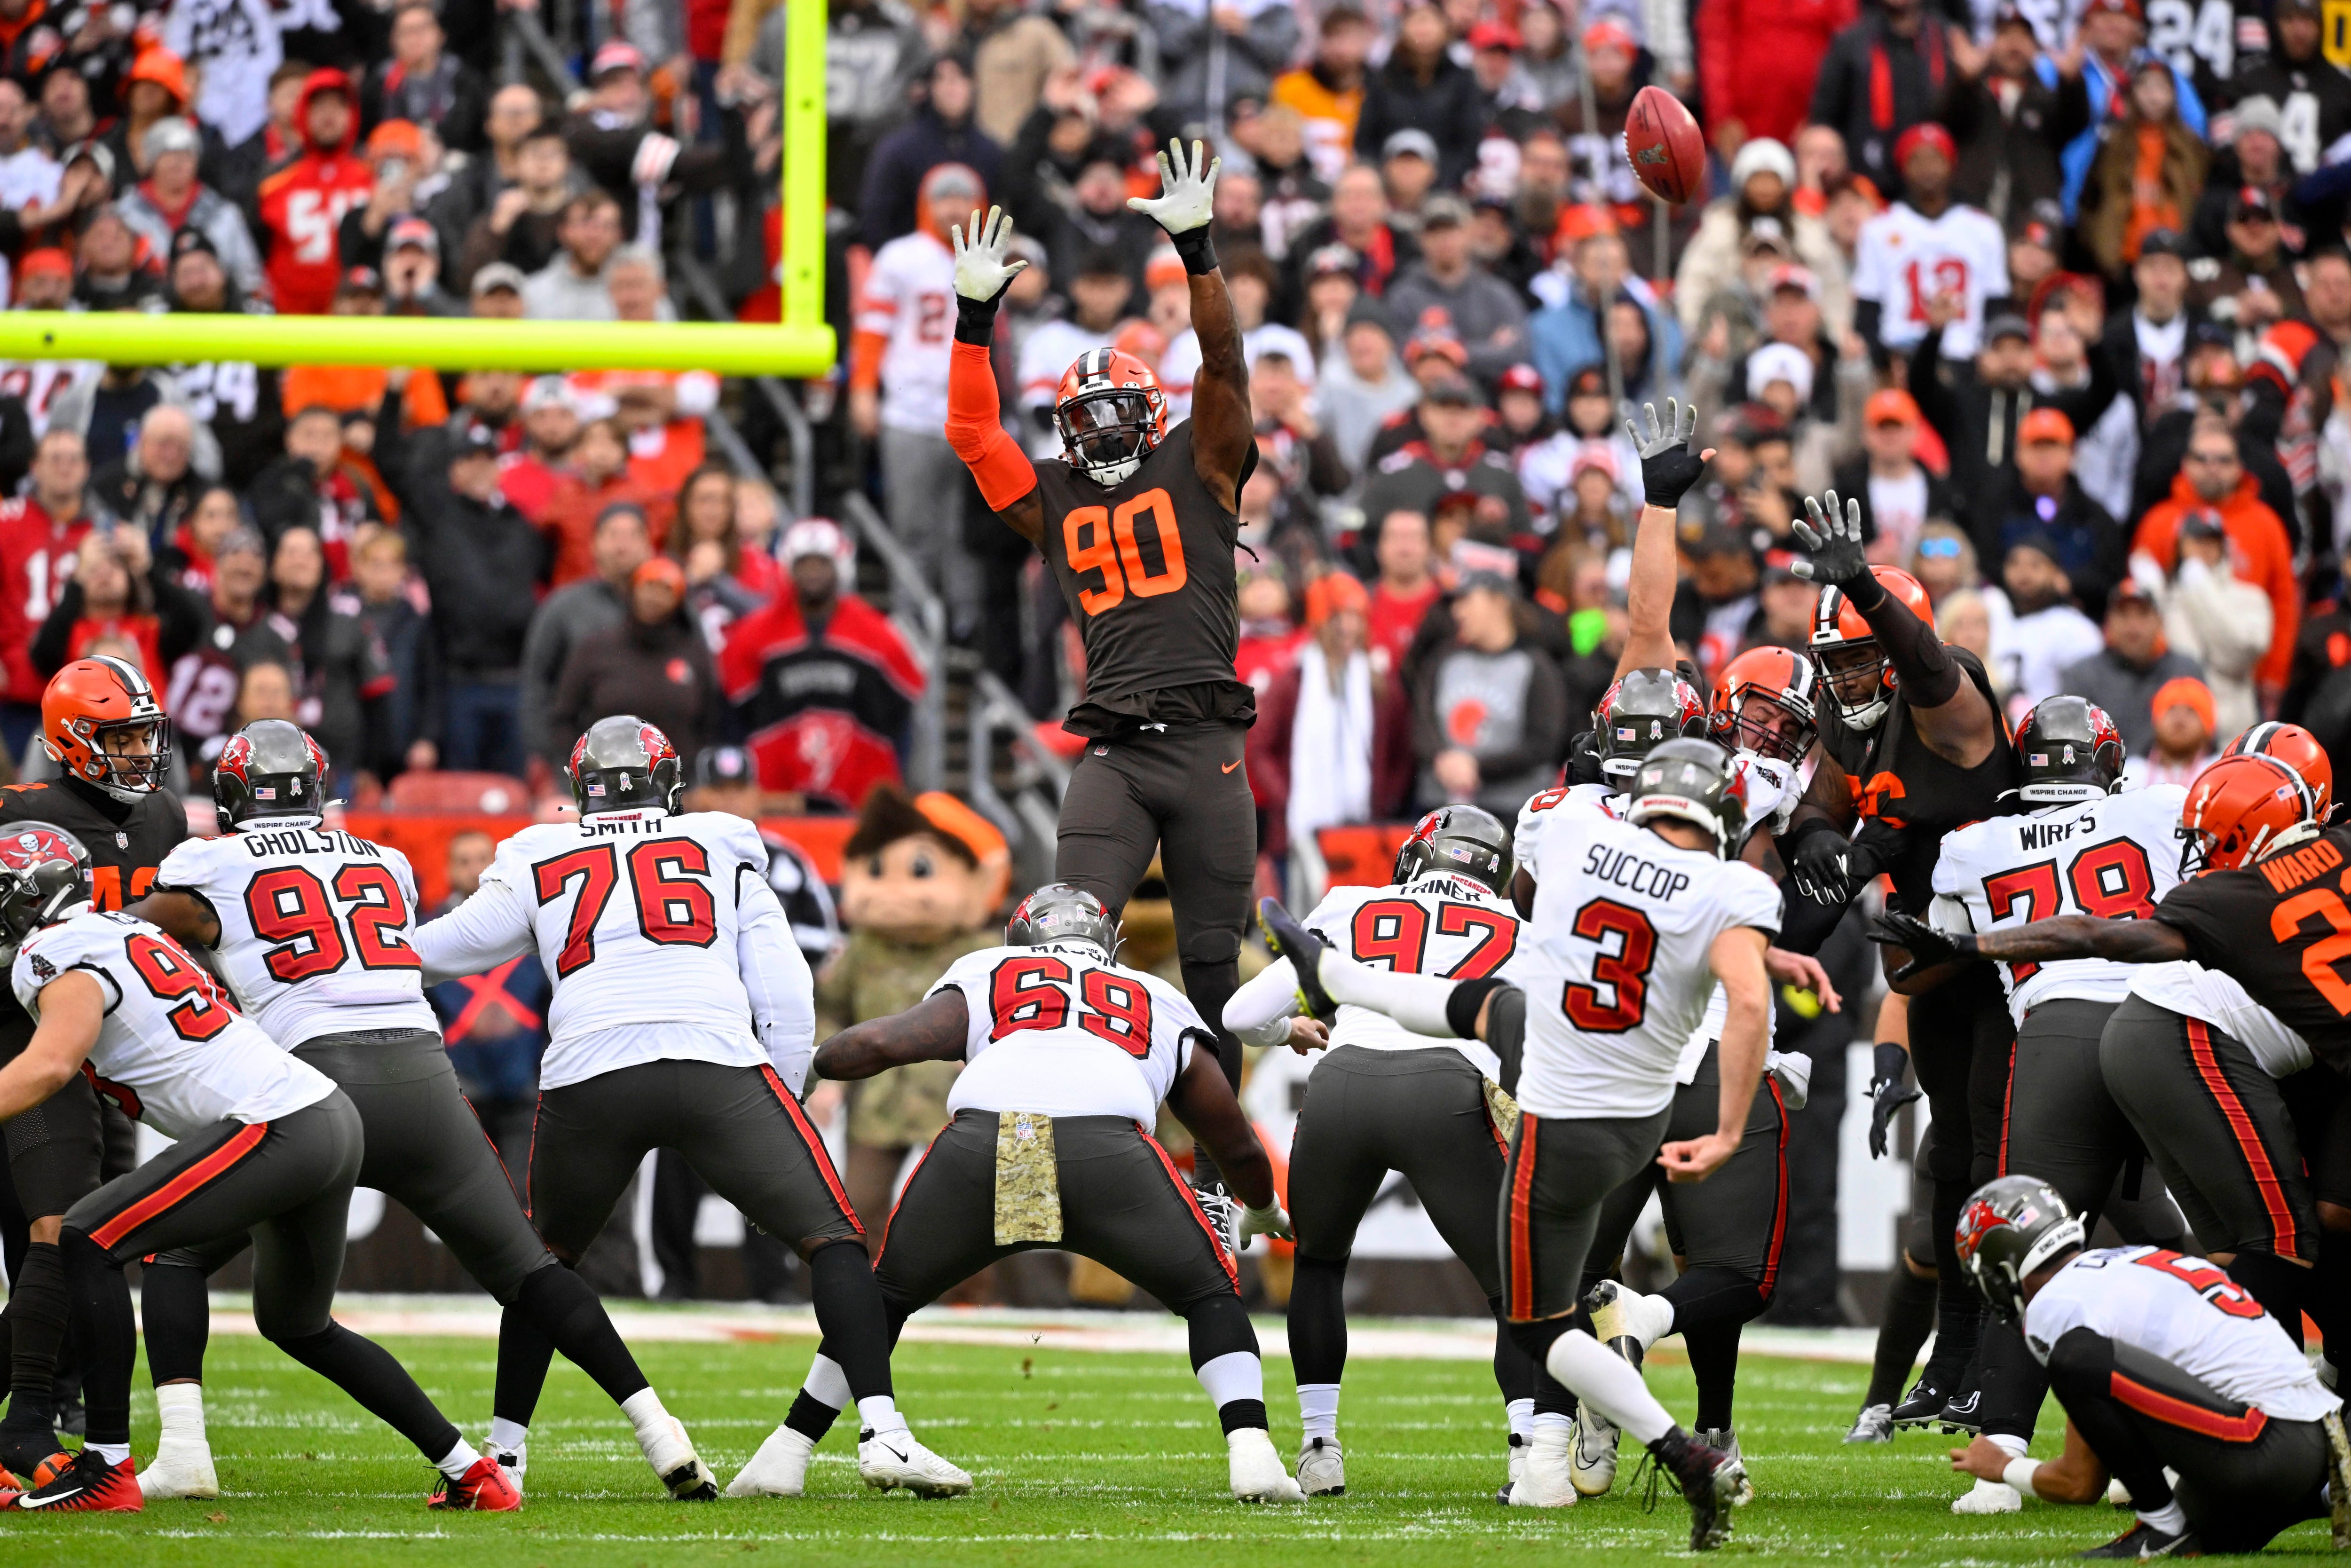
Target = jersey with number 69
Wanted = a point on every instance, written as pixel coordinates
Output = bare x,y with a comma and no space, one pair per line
661,935
2184,1312
2111,858
1615,963
1439,925
314,927
1055,1030
173,1050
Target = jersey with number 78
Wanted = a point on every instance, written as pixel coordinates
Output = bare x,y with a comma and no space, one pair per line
661,934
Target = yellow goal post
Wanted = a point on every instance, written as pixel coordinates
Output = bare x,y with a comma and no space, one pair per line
802,345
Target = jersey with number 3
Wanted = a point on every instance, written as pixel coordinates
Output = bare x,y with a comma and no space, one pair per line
661,934
173,1050
314,927
1437,924
2184,1312
1905,258
1054,1029
2111,858
1616,962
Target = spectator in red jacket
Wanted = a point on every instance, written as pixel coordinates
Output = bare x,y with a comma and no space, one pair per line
1756,62
1332,741
303,205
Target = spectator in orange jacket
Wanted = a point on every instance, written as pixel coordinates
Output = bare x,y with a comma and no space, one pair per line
2213,476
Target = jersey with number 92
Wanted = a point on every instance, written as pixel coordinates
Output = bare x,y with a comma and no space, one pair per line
1616,962
1437,924
2110,858
314,928
661,934
1055,1030
173,1050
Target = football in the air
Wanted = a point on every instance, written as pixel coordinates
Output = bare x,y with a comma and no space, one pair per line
1667,150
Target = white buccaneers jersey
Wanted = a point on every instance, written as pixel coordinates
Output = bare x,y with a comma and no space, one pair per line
2112,858
314,927
1904,259
661,934
1615,961
1772,790
1056,1030
909,298
1046,356
2191,990
1439,924
2186,1312
172,1051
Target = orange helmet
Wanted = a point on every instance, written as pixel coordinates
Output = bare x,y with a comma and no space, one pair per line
2298,750
2241,808
1782,681
1854,668
90,704
1111,413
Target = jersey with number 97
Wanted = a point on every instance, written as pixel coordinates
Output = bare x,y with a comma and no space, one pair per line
1053,1030
173,1050
314,927
1437,924
661,934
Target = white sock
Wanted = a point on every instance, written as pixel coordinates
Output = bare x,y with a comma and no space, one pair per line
1609,1383
182,1408
2171,1519
113,1453
878,1413
644,1409
826,1383
1540,1421
507,1437
1522,1414
1239,1374
457,1460
1318,1410
2012,1446
1415,1001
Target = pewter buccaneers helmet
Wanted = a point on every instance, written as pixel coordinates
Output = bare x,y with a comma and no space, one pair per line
1643,708
1693,782
1111,413
2013,1227
2071,751
623,764
268,768
1059,912
1463,839
43,871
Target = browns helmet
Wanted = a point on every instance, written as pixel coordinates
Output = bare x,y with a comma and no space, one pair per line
2298,750
44,873
268,768
1643,708
1763,704
1111,413
2013,1227
1854,668
1462,841
2071,751
93,703
1059,912
2240,808
623,764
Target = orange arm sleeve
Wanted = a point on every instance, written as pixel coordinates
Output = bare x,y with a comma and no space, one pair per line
866,360
976,434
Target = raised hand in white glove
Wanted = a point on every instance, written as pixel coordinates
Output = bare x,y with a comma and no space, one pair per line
980,270
1187,201
1267,1221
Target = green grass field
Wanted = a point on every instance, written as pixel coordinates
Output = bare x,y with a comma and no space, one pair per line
1081,1458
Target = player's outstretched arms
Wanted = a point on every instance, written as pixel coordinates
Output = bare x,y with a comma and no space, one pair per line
185,915
1736,959
1669,467
2063,936
73,1008
932,1029
1007,481
1954,715
1223,430
1203,1101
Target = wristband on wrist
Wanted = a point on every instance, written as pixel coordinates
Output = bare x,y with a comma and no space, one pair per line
1199,250
975,318
2018,1474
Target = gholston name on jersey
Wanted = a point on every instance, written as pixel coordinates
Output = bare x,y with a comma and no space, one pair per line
262,843
1634,874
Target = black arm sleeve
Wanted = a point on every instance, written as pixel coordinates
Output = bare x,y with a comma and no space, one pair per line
1929,673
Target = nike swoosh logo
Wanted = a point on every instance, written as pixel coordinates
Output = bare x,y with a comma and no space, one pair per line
891,1452
1235,762
29,1501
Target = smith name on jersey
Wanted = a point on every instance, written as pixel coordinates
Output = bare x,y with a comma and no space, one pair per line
1055,1030
315,928
173,1050
661,935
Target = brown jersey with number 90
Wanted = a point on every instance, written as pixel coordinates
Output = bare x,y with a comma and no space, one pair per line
1147,566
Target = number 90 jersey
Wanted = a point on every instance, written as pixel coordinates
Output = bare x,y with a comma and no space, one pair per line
1055,1030
661,934
1437,924
173,1050
314,927
2111,858
1616,962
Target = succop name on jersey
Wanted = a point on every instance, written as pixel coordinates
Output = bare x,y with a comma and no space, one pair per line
1628,871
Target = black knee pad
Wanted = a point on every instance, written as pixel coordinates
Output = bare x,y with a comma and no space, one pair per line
1220,1326
1537,1338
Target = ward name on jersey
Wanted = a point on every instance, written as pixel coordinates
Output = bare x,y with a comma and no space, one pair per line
662,937
2111,858
1437,924
1615,960
173,1050
2184,1312
2275,927
1055,1030
1905,259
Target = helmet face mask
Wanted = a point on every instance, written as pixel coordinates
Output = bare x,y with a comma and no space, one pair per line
1109,413
1854,667
1855,674
1765,703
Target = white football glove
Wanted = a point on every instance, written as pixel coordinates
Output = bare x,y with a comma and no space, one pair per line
1187,191
980,270
1267,1221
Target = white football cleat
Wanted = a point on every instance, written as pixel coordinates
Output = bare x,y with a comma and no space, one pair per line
1990,1497
1543,1479
1321,1467
671,1453
778,1470
180,1470
1619,1312
1256,1469
1723,1437
513,1462
1592,1452
1874,1424
890,1460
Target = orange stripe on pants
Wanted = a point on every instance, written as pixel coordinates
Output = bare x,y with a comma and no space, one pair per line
2249,1143
180,1187
1523,1242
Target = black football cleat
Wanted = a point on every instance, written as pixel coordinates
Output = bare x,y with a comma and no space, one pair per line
1709,1484
2143,1540
31,1455
1923,1405
88,1485
1292,941
1963,1414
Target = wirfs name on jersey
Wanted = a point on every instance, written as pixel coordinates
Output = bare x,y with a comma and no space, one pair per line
263,843
1630,872
2041,835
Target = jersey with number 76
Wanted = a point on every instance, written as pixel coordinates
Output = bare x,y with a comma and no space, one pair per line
661,934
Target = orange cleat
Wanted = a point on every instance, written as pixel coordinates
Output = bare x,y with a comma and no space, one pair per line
85,1485
484,1488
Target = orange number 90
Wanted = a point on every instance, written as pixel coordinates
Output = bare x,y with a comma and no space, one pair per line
1095,538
